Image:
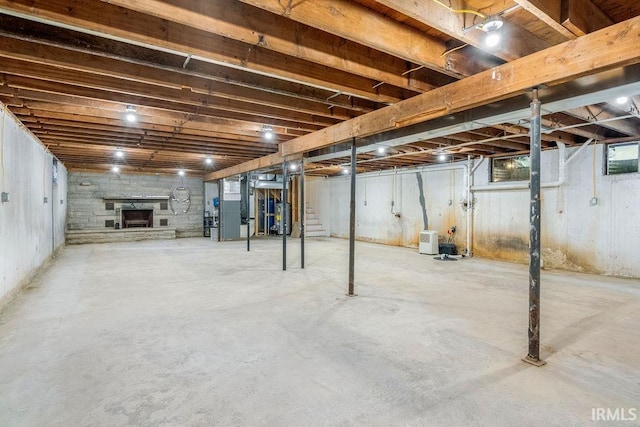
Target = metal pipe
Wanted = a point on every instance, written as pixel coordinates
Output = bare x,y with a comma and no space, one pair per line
220,191
283,215
303,208
248,215
352,220
533,355
470,170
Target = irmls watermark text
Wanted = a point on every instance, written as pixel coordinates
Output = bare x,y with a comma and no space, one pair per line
614,414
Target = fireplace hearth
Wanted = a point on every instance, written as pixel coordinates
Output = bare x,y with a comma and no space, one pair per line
137,218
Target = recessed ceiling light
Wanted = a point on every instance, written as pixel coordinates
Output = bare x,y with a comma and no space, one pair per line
119,153
208,160
492,39
181,172
622,100
115,169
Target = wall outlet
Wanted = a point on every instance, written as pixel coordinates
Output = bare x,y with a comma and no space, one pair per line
5,197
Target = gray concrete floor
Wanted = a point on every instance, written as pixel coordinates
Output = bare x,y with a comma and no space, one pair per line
194,332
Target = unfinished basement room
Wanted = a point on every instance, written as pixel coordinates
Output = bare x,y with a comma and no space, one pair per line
319,213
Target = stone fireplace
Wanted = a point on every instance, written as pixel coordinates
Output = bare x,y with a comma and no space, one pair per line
137,218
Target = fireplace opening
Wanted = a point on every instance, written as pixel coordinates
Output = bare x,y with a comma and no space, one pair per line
137,218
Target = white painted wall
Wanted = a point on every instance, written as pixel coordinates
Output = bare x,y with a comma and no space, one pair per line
30,229
575,235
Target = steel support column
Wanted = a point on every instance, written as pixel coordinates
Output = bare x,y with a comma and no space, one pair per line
352,220
302,213
533,355
248,193
220,192
283,215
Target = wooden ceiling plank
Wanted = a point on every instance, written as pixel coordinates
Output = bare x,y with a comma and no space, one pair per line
229,19
516,42
584,17
144,30
549,12
263,104
82,62
614,47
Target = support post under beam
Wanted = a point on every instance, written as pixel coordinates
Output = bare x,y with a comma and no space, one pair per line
352,220
283,215
302,213
533,355
248,213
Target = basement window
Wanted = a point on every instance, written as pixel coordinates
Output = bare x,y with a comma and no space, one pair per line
510,169
622,158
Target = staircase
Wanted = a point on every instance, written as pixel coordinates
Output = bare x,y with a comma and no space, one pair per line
312,227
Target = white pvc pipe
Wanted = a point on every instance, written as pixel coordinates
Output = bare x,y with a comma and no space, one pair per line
563,161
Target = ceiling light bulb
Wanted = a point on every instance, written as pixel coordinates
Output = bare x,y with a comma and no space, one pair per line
622,100
268,135
131,117
181,172
115,169
119,153
345,171
442,157
293,166
492,39
208,160
382,150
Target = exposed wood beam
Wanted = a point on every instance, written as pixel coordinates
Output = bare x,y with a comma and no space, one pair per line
117,23
108,67
584,17
516,44
354,22
30,31
549,12
614,47
594,113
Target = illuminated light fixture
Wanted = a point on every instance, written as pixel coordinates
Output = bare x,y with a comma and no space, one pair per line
181,172
492,39
293,166
208,160
131,115
492,23
622,100
382,150
345,171
442,155
119,153
267,132
115,169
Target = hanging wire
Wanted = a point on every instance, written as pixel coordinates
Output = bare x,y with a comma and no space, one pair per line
450,9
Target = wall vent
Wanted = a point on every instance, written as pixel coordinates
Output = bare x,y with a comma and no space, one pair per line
109,223
164,222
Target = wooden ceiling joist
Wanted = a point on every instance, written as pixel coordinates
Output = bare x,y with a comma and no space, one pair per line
614,47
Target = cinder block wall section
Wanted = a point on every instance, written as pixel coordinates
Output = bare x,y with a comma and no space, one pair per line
576,235
32,221
88,207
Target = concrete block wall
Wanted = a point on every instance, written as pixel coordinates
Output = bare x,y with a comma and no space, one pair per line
576,235
87,210
31,228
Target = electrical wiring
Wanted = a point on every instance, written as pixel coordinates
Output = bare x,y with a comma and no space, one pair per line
450,9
